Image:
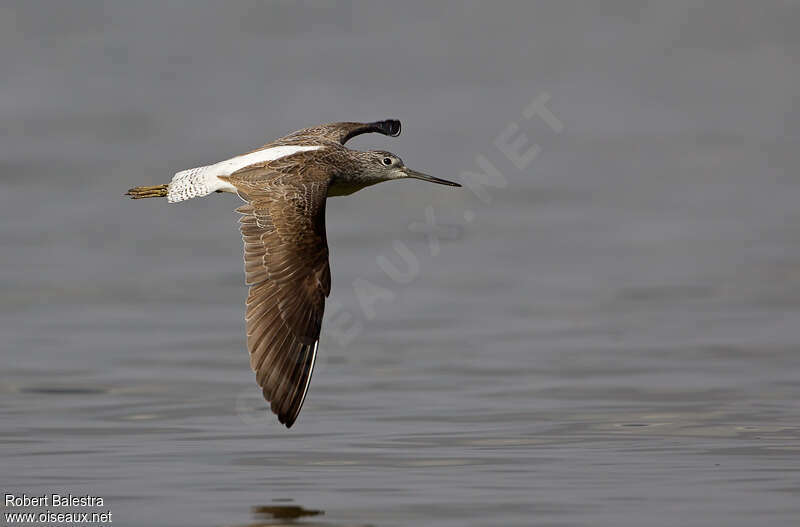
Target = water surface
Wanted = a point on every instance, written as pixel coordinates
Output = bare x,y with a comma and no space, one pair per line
612,340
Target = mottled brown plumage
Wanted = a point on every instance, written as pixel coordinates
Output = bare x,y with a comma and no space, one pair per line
285,246
286,267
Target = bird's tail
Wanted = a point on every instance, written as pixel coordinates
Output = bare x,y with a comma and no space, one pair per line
158,191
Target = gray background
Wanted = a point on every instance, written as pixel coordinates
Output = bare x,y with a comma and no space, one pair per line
612,340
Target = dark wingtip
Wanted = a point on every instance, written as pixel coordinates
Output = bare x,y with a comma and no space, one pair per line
390,127
286,420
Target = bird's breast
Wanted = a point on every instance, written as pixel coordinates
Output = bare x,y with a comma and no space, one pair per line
346,186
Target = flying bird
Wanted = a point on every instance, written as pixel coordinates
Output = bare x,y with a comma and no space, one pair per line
285,184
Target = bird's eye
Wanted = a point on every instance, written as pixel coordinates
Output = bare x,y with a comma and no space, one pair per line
387,161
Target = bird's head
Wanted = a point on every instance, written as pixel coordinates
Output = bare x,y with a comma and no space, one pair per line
384,166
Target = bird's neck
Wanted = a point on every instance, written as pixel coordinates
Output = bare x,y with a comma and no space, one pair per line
347,183
352,175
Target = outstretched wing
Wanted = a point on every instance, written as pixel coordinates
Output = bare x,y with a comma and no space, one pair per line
286,267
343,132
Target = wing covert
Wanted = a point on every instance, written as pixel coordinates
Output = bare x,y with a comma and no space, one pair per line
287,269
344,131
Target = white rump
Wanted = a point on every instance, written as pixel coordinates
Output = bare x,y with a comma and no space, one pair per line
202,181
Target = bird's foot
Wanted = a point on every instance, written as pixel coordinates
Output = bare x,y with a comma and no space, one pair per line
158,191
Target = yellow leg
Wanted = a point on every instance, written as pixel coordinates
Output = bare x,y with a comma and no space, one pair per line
158,191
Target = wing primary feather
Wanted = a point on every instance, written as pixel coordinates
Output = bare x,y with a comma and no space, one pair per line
287,270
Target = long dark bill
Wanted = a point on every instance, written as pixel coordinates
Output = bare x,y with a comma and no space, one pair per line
425,177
